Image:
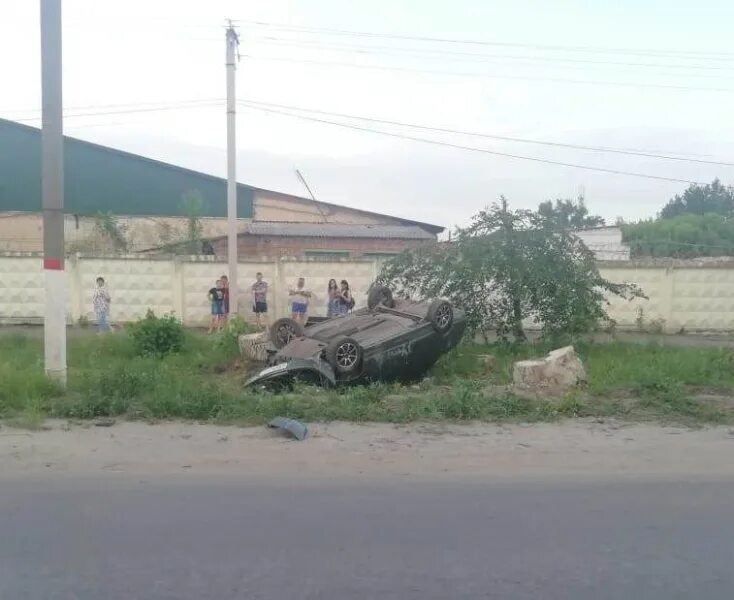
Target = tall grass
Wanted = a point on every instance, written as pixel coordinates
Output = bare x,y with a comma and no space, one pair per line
204,382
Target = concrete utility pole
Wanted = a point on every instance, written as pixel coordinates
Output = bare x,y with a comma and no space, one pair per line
233,41
52,191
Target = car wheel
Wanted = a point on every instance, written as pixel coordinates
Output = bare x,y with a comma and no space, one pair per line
441,315
380,296
344,355
283,331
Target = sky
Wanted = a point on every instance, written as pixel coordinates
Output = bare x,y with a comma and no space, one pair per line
650,76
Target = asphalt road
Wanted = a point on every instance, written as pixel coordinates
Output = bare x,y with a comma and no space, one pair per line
195,539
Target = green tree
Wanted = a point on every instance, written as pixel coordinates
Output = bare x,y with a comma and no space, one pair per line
684,236
109,229
506,267
572,214
192,203
714,198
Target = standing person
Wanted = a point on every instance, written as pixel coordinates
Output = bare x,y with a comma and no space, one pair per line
332,293
101,302
216,297
260,299
299,301
225,286
346,301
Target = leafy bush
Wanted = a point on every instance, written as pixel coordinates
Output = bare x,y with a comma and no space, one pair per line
157,336
507,267
227,339
684,236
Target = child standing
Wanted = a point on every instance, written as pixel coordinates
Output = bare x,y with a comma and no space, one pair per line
101,302
216,297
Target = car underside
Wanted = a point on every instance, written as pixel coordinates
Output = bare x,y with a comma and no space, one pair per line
387,341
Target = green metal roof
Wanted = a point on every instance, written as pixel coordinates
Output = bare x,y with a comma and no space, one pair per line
100,179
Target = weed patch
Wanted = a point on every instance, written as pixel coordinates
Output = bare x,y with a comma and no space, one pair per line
108,377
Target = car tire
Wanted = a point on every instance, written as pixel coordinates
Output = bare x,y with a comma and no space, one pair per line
283,331
441,315
380,296
344,355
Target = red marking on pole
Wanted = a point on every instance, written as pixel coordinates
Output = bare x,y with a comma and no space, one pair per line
52,264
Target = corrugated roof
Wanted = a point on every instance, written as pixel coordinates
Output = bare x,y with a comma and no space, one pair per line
99,178
332,230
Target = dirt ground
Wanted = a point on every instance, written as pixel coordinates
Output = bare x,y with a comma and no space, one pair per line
586,449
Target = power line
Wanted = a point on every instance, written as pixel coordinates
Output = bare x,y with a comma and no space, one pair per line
122,105
489,136
131,110
443,40
493,76
473,148
393,51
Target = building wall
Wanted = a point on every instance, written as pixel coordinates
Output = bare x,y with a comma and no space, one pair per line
303,247
605,243
682,295
23,232
142,233
271,206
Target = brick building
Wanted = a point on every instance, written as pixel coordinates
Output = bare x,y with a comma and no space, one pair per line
147,200
326,241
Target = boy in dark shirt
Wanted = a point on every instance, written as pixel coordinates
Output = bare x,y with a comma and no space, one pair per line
216,297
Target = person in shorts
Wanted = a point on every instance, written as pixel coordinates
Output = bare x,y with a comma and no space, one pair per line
300,297
216,297
260,299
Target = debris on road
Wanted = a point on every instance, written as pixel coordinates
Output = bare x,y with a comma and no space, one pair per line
295,428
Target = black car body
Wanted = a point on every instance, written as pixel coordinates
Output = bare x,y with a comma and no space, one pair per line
387,341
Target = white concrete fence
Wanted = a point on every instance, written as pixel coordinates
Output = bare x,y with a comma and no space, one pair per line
167,286
693,296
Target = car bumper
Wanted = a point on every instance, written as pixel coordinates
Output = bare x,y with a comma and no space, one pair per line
295,370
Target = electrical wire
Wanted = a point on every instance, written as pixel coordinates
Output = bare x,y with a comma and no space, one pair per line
475,149
393,51
444,40
493,76
122,105
487,135
128,111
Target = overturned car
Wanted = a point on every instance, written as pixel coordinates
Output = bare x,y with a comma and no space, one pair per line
389,340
